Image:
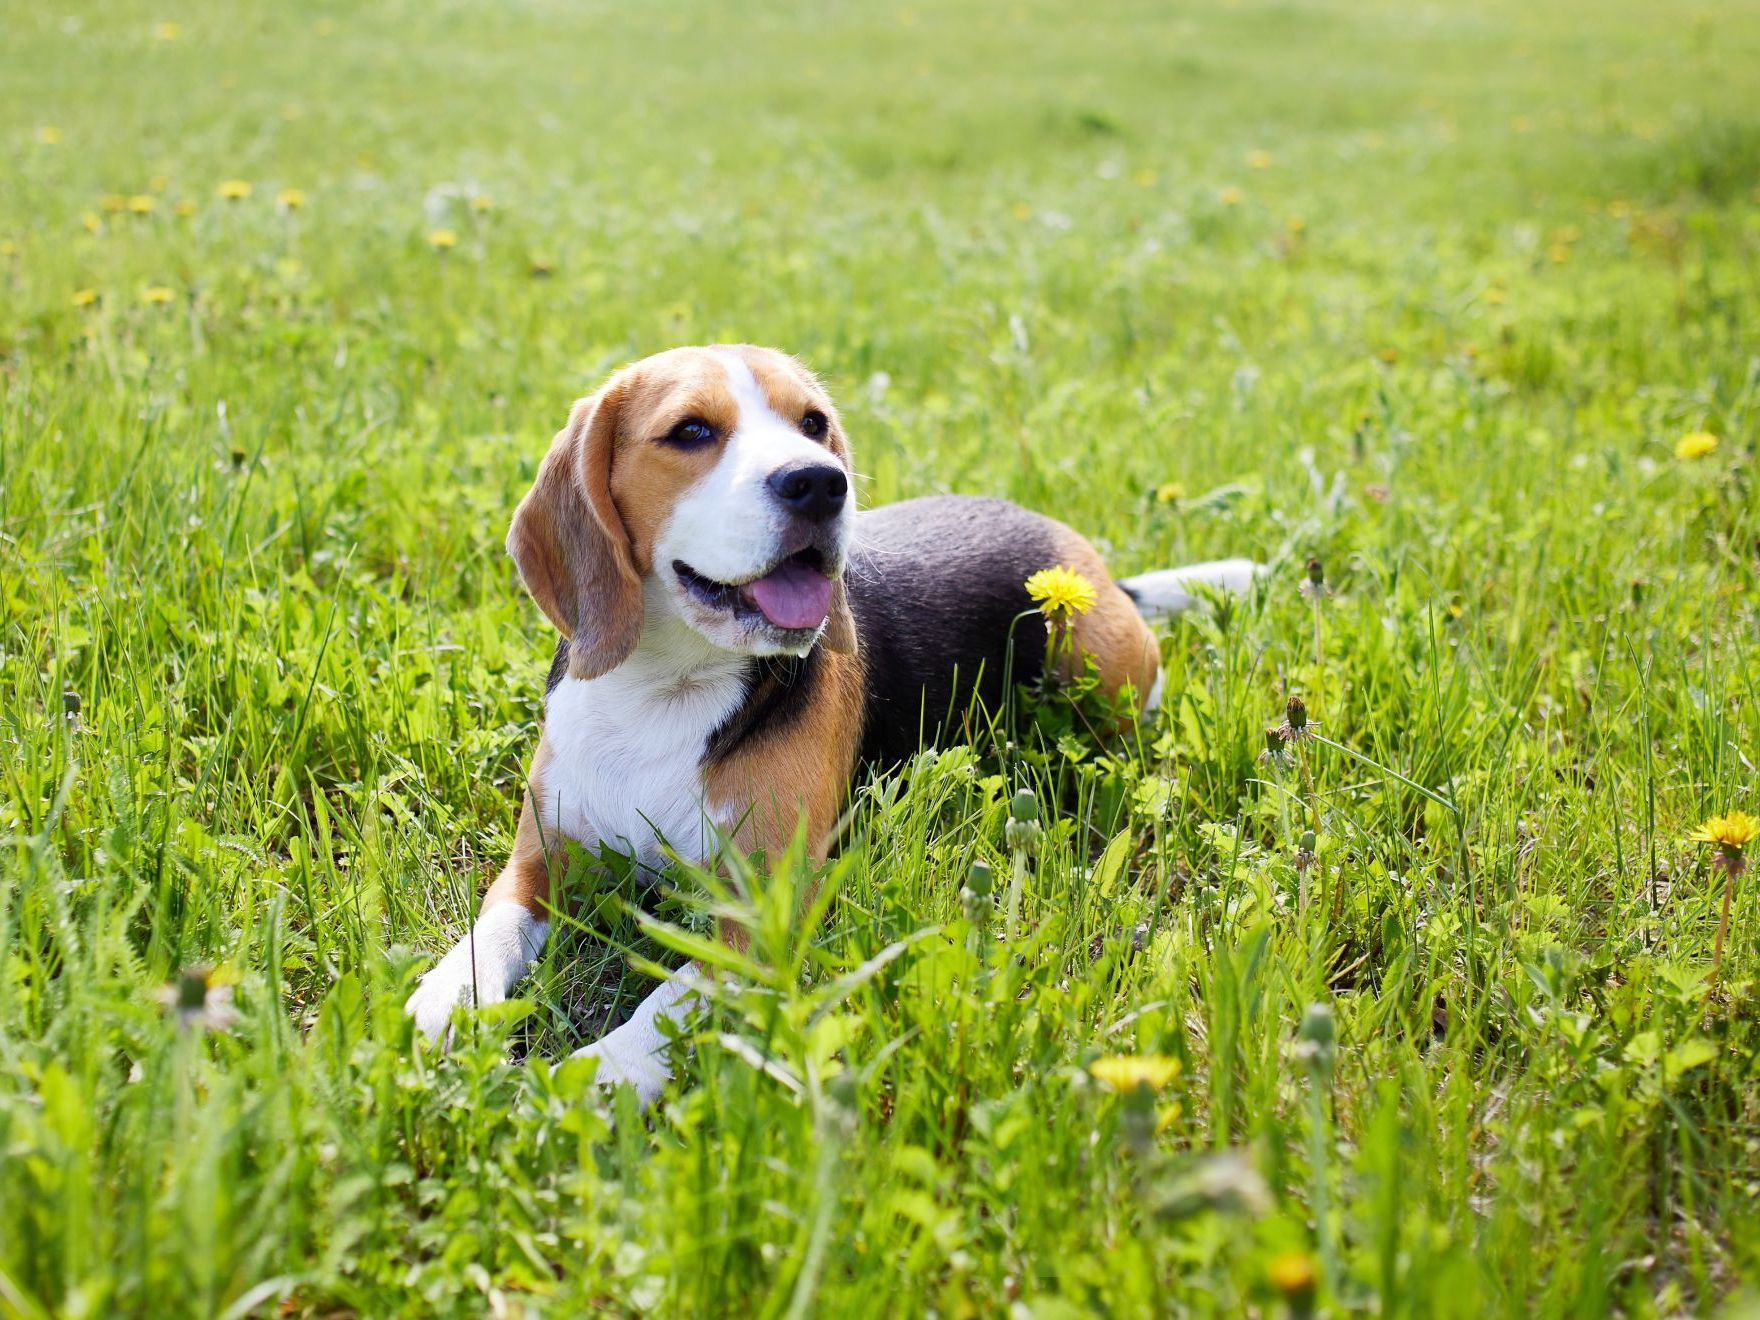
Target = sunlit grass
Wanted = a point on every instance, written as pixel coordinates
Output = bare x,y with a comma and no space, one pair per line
1410,1008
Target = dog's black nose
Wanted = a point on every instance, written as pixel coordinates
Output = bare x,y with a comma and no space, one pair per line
815,491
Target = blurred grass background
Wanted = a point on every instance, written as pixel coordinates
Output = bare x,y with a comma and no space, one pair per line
1430,292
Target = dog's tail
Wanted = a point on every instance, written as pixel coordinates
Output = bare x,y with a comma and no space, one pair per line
1169,591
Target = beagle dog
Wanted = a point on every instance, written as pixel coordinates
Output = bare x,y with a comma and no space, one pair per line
737,639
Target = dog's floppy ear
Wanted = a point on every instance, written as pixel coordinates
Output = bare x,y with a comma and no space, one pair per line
571,546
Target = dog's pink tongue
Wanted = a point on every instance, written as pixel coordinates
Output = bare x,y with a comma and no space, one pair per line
793,595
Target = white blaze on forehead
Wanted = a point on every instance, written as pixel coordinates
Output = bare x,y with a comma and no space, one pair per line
728,525
754,404
763,440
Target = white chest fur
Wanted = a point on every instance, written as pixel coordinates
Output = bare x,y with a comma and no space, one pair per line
626,748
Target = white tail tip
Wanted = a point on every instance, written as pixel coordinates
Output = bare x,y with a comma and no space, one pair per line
1174,590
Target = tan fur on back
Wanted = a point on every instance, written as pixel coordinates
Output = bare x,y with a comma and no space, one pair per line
1113,631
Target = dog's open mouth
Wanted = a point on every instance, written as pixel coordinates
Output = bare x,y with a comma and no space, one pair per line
793,595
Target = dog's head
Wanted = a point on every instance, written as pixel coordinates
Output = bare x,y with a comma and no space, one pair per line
710,482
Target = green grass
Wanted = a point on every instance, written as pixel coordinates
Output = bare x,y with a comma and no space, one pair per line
1499,259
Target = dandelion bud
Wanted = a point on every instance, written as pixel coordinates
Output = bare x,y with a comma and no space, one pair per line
1316,573
1023,830
1305,858
980,879
1318,1026
844,1090
70,704
1295,714
1317,1041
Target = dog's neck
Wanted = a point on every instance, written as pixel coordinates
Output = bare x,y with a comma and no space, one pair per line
671,657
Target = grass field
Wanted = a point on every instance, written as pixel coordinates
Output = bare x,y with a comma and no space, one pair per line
294,298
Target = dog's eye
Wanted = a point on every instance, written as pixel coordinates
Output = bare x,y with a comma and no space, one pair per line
813,425
690,433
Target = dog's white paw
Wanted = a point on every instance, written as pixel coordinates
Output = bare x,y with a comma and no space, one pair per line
480,969
623,1057
636,1051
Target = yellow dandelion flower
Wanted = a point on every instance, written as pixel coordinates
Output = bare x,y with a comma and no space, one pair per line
1389,355
1295,224
85,297
324,27
1732,832
1292,1273
1521,124
91,222
1730,835
156,294
1495,296
1695,445
1619,208
114,203
1022,211
441,239
1231,196
1060,592
49,135
1558,253
1569,233
166,31
290,199
1126,1072
185,208
482,203
8,247
1259,160
1170,492
142,204
1144,178
234,190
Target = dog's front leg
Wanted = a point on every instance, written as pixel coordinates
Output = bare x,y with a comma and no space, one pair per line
636,1051
505,940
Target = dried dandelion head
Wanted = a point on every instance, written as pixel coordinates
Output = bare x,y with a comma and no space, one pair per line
1296,726
200,998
